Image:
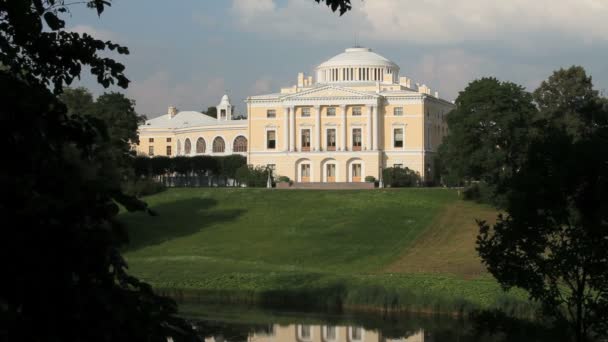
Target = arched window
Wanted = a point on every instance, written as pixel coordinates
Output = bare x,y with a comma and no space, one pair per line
218,145
240,144
200,146
179,147
187,146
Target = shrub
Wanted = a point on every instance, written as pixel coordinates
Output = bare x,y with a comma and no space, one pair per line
370,179
142,187
481,192
284,179
397,177
252,176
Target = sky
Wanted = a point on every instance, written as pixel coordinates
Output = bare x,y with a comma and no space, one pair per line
188,53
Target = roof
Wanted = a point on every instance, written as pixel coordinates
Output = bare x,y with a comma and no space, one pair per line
188,119
358,56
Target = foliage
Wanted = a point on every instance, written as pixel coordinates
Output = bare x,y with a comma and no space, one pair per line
370,179
77,100
553,240
211,111
36,47
252,176
225,166
140,187
284,179
482,192
488,131
399,177
64,278
116,114
342,6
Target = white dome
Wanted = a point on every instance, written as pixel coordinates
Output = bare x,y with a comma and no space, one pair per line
225,100
358,57
357,64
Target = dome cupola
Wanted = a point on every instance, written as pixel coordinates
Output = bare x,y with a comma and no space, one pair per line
357,64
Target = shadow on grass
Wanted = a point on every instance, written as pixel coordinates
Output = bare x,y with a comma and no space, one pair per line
173,220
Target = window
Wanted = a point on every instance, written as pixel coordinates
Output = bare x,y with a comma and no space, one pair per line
305,331
356,334
179,148
398,166
168,139
356,172
240,144
219,146
330,172
222,113
330,333
305,112
331,111
356,111
271,140
357,139
200,146
151,140
168,150
187,146
305,172
151,151
398,111
331,139
271,113
398,138
305,140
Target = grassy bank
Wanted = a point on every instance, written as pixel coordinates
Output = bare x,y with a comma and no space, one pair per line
406,249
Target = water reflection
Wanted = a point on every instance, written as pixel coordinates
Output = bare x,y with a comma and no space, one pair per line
319,333
255,325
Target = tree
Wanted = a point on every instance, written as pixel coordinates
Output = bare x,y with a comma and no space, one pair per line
211,111
553,240
77,100
64,278
488,131
116,115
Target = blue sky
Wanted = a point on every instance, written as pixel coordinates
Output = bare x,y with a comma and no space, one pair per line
188,53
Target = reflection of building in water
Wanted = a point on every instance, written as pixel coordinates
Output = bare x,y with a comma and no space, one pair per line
321,333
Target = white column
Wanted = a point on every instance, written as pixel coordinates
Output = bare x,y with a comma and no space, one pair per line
286,128
376,131
368,145
343,135
292,128
318,129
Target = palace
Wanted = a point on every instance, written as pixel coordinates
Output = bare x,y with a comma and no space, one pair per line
354,118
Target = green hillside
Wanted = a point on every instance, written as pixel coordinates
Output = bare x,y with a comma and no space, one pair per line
398,249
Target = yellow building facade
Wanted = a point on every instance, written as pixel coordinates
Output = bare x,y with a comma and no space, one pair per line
354,118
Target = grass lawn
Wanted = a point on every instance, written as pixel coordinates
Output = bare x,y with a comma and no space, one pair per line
398,249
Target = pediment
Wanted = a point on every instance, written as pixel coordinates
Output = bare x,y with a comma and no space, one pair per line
330,92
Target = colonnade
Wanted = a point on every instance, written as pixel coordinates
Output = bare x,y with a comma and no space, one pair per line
290,129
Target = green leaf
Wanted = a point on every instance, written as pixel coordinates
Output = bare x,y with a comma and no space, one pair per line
53,21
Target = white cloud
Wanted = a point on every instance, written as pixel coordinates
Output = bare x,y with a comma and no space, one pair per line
95,32
450,70
154,94
299,19
428,21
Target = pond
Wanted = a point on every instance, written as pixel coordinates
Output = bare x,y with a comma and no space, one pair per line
240,324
